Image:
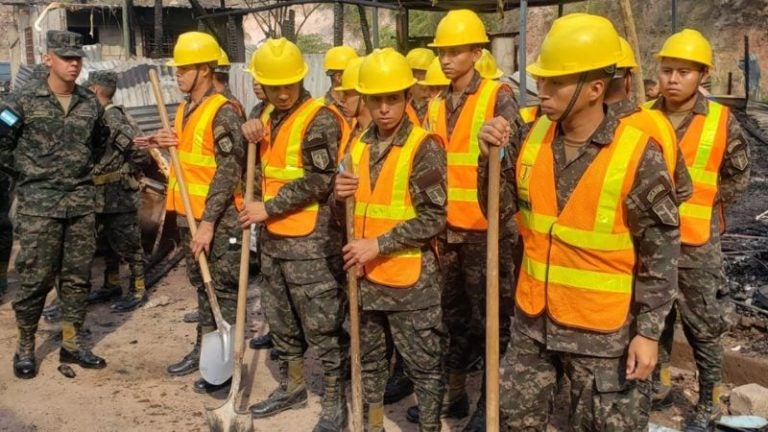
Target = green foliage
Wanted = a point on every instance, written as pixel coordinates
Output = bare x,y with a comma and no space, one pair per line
312,43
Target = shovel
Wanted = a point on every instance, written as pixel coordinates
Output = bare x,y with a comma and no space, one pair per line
227,418
216,350
492,296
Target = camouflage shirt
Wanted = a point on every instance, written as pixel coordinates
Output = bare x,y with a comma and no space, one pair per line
683,183
505,107
734,179
318,147
51,153
653,222
331,101
229,153
227,93
428,191
421,109
123,161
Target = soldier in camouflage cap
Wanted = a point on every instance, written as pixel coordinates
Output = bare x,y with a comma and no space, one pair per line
51,133
117,198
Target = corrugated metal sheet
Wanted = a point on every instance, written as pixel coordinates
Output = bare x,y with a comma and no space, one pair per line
148,118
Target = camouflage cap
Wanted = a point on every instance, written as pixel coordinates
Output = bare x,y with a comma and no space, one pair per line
65,43
104,78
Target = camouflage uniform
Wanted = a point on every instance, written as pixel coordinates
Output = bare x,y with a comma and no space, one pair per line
420,108
701,276
414,314
117,192
463,259
220,210
52,153
302,295
601,397
6,229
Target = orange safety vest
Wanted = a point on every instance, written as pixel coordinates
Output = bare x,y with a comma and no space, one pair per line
656,124
463,150
703,147
529,113
413,116
197,157
380,207
282,163
578,264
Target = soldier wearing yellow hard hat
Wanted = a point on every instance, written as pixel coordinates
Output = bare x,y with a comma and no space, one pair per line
221,80
718,159
336,60
399,190
300,245
212,165
456,116
419,60
352,103
598,216
435,80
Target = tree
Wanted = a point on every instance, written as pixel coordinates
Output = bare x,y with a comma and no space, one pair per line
279,22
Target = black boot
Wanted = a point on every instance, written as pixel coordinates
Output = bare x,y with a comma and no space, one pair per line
291,394
203,386
455,402
83,357
477,421
333,417
706,412
130,302
399,386
187,365
261,342
24,366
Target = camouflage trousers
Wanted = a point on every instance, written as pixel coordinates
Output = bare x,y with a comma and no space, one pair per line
601,398
123,236
420,338
304,306
705,319
51,248
224,262
464,266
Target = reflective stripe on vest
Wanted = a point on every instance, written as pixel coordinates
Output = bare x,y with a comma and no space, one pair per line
703,147
380,207
658,127
529,113
463,150
413,116
346,131
196,155
281,163
578,264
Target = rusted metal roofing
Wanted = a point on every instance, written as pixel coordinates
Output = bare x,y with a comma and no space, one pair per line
476,5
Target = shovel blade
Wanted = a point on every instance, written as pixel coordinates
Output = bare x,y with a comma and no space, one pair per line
217,354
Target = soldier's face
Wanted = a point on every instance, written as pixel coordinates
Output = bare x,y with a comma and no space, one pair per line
680,79
283,97
66,69
458,61
350,100
187,77
556,93
387,110
335,78
420,93
258,90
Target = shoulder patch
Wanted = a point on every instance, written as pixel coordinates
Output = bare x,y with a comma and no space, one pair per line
9,117
320,158
436,194
666,211
740,160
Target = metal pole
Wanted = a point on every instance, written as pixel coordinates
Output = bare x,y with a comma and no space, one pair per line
674,16
375,26
560,9
746,68
522,93
126,30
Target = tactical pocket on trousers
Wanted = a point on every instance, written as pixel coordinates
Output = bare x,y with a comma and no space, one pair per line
610,380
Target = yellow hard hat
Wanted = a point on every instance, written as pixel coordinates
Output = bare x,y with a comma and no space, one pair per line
223,58
278,62
384,71
194,48
459,27
688,45
627,60
435,75
487,66
351,75
420,58
336,58
577,43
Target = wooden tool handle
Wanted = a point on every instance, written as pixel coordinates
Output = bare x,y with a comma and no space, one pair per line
162,164
354,314
492,295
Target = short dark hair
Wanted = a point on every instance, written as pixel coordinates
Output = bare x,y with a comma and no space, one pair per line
649,82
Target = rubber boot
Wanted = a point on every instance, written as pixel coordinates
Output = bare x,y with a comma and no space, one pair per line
190,362
455,402
707,410
290,394
73,350
24,365
333,417
662,387
137,295
375,418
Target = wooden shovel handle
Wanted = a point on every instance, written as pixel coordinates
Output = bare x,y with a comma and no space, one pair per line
492,295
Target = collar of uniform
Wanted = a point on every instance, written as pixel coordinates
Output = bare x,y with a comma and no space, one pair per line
623,108
604,133
277,115
471,88
700,107
371,134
